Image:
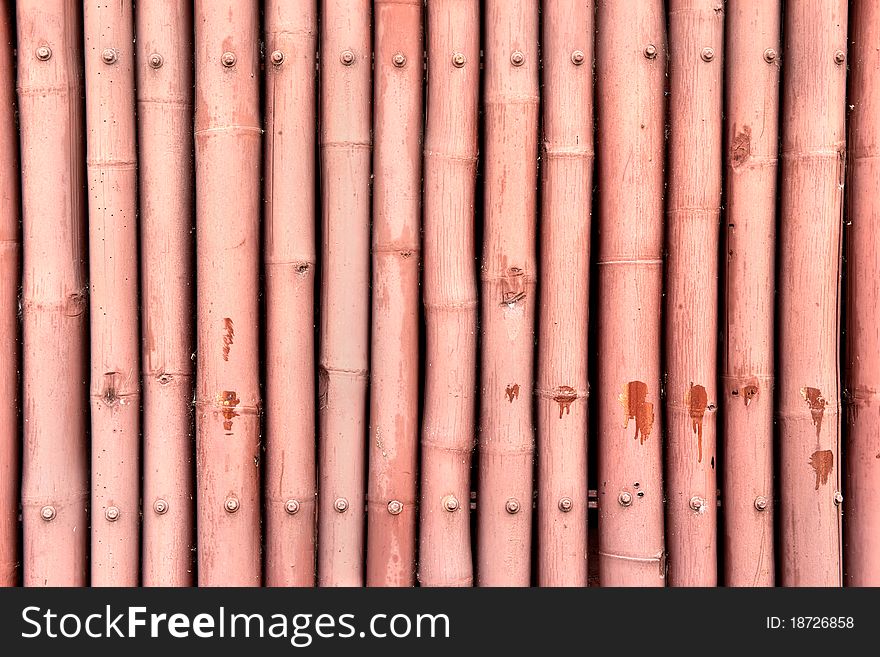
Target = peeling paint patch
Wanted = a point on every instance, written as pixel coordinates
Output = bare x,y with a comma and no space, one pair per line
740,146
697,400
633,399
816,402
512,392
228,336
513,286
822,461
749,392
565,396
228,400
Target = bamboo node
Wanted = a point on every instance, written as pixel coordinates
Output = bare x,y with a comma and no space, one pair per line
43,53
109,56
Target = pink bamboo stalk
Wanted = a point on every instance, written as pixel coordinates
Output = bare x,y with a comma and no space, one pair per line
509,269
115,373
862,528
345,288
291,42
813,149
565,254
10,262
165,114
55,466
227,141
696,40
630,80
752,68
450,292
394,402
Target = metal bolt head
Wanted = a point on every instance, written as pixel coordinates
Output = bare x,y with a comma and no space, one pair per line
112,513
565,504
578,57
517,58
347,57
625,498
228,59
769,55
450,503
839,57
838,498
160,506
43,53
47,513
341,504
231,505
291,506
399,59
697,503
458,59
512,505
277,57
109,56
395,507
760,503
155,60
707,54
650,51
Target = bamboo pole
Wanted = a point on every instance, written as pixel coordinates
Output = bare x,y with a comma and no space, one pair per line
630,81
10,262
565,253
345,288
450,292
509,279
814,92
752,69
696,40
165,114
291,42
115,373
394,391
54,298
862,527
227,142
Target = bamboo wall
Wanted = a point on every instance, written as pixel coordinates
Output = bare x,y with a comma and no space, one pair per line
448,293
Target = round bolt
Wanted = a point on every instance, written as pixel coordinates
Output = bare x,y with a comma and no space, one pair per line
838,498
160,507
109,56
347,57
112,513
578,57
399,59
697,503
277,57
450,503
341,504
517,58
458,60
43,53
625,498
760,503
769,55
155,60
650,51
291,506
231,505
228,59
707,54
839,57
565,504
395,507
47,513
512,506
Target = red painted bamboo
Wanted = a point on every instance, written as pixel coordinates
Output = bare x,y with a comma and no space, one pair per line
450,292
752,79
696,40
55,295
394,390
165,113
565,254
345,288
862,527
291,41
10,262
227,142
509,267
630,80
115,372
811,190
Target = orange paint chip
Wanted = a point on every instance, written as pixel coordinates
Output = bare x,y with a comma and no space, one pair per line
822,462
633,399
